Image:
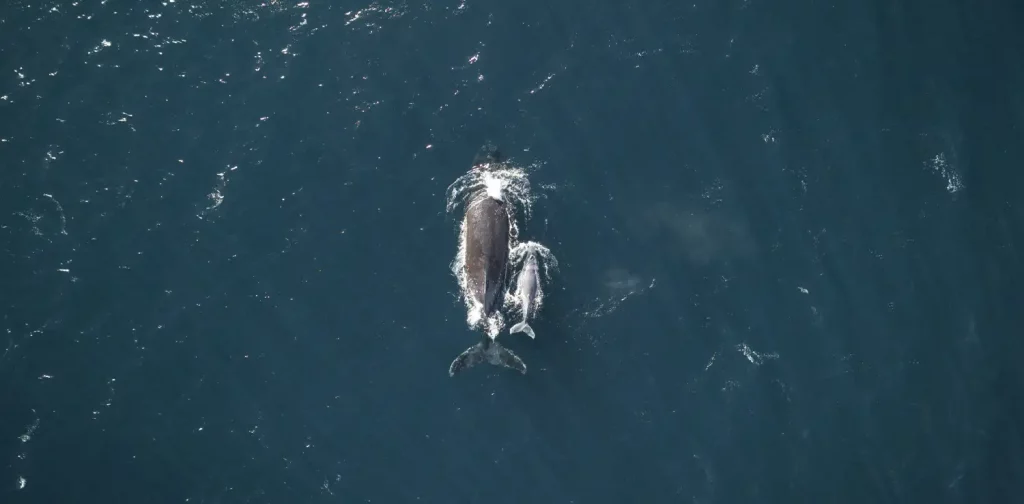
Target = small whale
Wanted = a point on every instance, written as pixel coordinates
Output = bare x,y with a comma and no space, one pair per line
486,227
527,289
529,294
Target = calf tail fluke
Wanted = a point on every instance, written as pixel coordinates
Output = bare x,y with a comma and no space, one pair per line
490,352
523,327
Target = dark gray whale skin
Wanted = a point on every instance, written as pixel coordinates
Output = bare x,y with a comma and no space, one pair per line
487,227
487,237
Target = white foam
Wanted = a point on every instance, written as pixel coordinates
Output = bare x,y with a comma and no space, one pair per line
948,172
547,260
494,187
755,358
490,180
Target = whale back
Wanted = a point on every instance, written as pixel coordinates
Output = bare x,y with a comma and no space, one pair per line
487,237
528,281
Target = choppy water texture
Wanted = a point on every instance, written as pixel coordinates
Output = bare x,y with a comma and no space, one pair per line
789,243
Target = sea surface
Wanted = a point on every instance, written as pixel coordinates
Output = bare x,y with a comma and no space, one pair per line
790,239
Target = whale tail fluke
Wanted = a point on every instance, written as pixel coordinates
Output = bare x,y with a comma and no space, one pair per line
523,327
490,352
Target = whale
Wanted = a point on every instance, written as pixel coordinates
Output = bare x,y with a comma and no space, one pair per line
527,290
486,226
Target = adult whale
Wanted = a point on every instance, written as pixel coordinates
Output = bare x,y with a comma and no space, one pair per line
486,226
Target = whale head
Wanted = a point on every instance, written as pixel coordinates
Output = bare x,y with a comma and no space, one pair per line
487,155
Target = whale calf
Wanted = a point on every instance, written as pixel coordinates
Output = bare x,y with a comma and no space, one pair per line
486,226
529,294
527,289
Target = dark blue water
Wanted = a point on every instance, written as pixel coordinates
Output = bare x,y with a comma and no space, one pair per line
790,238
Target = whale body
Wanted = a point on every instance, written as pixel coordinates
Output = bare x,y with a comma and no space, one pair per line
527,289
486,226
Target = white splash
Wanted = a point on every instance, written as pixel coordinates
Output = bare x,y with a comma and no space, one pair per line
755,358
508,182
949,173
548,261
216,196
494,186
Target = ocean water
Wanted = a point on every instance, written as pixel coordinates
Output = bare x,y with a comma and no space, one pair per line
789,238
